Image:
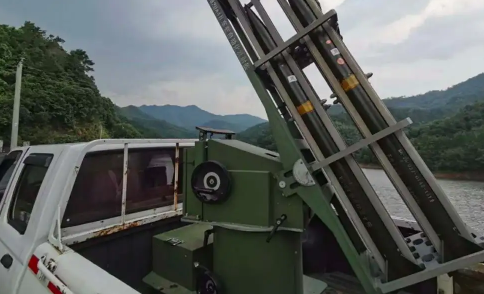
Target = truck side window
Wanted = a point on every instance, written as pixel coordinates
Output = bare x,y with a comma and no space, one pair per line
27,189
6,170
151,179
96,194
97,191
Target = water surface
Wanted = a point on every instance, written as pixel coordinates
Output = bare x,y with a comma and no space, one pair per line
466,196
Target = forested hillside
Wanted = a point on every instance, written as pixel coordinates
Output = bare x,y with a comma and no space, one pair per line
154,128
434,102
455,143
60,101
451,144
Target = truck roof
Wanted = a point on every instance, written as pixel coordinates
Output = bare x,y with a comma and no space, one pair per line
113,144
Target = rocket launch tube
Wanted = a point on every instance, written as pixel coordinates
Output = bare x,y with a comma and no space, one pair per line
455,245
398,265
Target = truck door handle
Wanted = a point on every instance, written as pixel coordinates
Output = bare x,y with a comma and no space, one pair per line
6,261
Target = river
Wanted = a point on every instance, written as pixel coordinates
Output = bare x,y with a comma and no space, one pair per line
466,196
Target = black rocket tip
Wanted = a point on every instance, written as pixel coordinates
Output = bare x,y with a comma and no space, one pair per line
260,29
253,18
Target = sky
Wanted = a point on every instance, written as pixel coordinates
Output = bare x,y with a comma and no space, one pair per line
159,52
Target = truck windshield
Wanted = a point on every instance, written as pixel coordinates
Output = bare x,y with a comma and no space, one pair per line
6,169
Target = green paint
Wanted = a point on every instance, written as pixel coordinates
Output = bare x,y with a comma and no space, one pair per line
247,264
175,263
241,258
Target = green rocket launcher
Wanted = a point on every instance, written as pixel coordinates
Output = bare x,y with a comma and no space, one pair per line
306,219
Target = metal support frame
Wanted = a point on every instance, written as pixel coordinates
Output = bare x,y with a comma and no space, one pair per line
281,128
388,168
266,65
363,80
390,120
361,144
402,138
405,143
344,153
312,143
444,269
295,39
368,189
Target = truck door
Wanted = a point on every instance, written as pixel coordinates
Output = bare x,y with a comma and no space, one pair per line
20,212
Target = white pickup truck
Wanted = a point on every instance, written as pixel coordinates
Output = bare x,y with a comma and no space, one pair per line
79,218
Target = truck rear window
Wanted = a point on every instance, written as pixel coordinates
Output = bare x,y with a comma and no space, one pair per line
27,190
6,170
97,191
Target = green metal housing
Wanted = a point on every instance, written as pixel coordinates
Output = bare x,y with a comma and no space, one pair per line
258,230
255,199
243,222
174,254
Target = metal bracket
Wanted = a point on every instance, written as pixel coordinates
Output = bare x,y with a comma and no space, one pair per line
301,174
439,270
207,133
363,143
285,179
327,16
174,241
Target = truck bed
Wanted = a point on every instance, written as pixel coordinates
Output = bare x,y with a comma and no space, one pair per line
127,255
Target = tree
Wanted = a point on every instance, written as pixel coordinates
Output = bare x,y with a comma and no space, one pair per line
60,101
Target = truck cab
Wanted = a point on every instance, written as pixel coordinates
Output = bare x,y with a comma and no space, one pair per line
79,218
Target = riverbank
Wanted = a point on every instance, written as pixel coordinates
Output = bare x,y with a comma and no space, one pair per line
463,176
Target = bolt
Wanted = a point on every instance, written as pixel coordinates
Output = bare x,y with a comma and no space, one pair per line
282,184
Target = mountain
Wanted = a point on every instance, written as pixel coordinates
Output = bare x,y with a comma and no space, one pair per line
450,144
154,128
192,116
448,101
60,100
244,120
455,143
463,93
132,112
61,103
447,129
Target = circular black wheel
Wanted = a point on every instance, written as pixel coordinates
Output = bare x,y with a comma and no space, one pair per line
207,284
211,182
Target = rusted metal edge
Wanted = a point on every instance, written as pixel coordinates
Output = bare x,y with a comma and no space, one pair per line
175,184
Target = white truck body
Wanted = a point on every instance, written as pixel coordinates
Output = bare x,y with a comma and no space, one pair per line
35,234
46,247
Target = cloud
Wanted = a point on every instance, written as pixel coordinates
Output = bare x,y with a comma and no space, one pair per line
411,78
191,22
397,44
400,30
440,39
161,51
215,93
